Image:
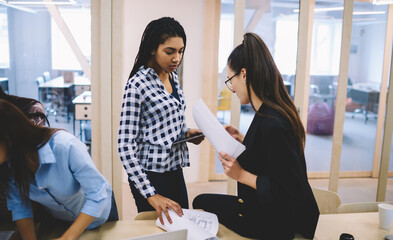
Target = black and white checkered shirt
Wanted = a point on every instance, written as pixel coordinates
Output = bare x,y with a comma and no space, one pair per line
151,121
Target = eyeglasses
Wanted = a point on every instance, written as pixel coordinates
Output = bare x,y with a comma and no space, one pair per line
228,82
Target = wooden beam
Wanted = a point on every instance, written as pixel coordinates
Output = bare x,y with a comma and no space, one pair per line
302,82
116,95
210,77
386,141
256,17
341,96
235,103
55,14
383,91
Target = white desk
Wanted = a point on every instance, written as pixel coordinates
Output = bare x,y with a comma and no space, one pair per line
82,110
363,226
59,82
136,228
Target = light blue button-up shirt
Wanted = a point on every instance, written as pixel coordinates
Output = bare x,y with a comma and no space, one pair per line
66,183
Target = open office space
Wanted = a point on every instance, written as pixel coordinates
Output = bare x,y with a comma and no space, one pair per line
335,57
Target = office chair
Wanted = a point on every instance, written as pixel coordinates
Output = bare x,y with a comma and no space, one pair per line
48,97
46,76
358,207
149,215
327,201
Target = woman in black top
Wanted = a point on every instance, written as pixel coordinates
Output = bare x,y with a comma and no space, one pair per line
274,200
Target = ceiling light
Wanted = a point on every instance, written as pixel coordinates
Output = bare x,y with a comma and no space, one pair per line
369,13
4,3
71,2
323,9
382,2
364,19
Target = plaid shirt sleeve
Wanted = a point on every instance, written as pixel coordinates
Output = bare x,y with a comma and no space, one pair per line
127,146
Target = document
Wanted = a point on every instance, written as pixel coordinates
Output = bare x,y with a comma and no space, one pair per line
214,131
200,225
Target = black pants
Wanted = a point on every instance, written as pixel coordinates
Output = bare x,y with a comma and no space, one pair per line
168,184
231,212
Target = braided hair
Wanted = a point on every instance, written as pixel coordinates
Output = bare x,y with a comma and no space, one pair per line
156,33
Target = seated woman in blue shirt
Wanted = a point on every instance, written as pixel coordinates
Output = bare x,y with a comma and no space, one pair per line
274,199
153,120
52,168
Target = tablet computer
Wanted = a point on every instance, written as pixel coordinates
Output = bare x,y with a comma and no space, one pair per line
188,139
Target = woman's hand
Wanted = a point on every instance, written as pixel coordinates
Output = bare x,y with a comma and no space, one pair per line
233,170
231,166
194,132
234,132
161,204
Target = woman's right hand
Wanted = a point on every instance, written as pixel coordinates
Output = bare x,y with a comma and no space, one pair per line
234,132
161,204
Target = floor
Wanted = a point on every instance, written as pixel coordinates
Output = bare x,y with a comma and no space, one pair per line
350,190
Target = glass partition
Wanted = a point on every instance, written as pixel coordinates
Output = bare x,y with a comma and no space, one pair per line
37,60
364,83
324,70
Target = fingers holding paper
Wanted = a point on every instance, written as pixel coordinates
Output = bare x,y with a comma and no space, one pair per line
162,204
233,170
231,166
234,132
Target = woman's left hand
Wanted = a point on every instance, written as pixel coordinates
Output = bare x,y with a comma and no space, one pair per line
231,166
192,132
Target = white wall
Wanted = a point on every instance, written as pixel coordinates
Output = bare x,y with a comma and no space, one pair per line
366,63
190,14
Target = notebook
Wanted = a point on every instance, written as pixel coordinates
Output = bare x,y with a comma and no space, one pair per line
174,235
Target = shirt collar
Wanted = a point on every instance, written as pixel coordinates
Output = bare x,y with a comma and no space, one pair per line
145,70
45,154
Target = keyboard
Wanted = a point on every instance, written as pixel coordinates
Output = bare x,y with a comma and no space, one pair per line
206,220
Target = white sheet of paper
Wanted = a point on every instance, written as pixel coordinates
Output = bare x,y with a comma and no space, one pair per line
214,131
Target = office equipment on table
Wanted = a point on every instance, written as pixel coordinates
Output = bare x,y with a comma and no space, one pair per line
175,235
82,110
366,97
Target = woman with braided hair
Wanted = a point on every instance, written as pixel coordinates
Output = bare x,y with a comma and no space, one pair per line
153,121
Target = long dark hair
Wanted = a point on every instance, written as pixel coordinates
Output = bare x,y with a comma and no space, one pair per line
24,104
156,33
265,80
22,139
